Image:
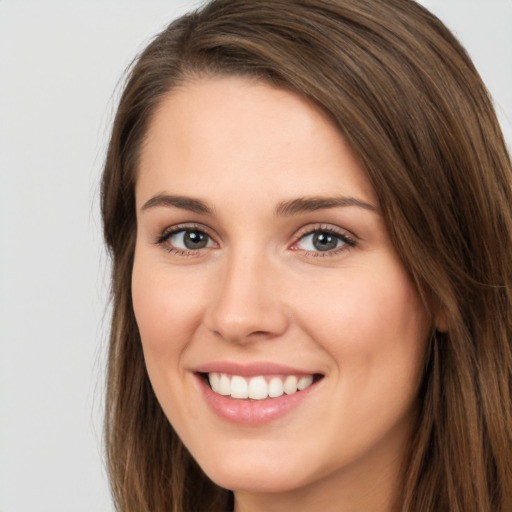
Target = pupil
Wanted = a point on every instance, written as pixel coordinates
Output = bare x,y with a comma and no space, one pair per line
324,241
195,240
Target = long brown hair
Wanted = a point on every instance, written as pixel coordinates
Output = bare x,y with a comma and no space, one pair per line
408,100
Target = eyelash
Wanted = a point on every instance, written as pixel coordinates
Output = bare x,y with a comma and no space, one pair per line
181,228
348,241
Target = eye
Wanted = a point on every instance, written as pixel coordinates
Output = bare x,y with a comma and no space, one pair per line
184,240
189,239
323,241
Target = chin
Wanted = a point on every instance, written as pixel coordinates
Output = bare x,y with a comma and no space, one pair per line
255,481
267,475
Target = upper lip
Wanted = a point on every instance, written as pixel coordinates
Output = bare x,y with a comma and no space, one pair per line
251,369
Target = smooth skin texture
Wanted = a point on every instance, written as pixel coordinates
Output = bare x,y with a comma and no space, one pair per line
261,290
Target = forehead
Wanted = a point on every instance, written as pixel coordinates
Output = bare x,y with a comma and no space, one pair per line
242,133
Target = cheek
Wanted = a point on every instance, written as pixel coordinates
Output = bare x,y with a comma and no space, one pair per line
376,332
372,323
165,314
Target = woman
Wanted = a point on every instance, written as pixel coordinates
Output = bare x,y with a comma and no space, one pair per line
308,206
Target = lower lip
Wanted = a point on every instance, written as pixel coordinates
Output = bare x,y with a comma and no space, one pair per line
253,412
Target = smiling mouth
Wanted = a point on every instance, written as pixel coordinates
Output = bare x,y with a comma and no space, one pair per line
258,387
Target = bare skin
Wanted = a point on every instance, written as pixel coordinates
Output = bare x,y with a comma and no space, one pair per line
260,242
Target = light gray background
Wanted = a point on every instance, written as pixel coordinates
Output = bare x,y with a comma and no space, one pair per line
60,62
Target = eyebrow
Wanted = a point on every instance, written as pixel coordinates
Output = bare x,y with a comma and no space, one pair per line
182,202
285,208
311,204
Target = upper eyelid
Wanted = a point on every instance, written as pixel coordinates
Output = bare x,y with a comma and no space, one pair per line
186,226
314,228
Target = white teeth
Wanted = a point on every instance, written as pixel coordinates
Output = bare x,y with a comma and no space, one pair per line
275,387
257,388
224,385
239,388
290,385
214,381
305,382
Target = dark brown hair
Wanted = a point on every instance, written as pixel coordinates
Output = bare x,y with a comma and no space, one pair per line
408,100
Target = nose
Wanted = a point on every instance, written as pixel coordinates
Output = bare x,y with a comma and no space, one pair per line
247,305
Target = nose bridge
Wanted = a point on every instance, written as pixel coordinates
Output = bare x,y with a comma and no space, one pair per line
247,303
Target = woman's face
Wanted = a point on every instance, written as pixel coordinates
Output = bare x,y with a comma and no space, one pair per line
263,266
